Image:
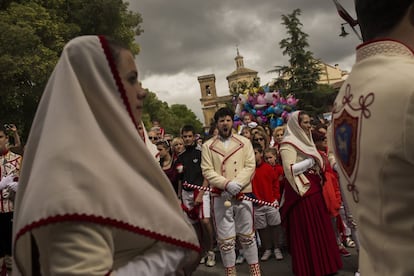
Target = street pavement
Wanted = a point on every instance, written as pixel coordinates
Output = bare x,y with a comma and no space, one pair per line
274,267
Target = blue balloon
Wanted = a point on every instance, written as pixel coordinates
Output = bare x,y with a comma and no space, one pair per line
278,110
270,110
273,122
279,121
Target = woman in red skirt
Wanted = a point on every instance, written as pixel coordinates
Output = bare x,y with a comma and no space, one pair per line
311,238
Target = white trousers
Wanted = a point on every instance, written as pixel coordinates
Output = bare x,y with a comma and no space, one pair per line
236,220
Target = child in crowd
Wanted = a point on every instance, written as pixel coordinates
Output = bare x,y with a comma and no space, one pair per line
272,157
265,185
246,132
247,120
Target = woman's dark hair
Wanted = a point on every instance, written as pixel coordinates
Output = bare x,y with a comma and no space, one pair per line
258,147
165,144
301,113
318,136
115,47
377,17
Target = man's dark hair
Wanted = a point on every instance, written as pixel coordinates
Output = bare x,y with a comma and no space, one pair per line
187,128
223,112
376,18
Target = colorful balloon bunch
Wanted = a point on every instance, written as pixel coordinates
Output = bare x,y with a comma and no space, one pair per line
265,107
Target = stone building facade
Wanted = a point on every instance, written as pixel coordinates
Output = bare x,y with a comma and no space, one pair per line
210,102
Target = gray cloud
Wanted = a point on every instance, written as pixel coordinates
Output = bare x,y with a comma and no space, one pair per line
183,39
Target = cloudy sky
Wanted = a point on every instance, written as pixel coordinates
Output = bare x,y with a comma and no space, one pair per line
184,39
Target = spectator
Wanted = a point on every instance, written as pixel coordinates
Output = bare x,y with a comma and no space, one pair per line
190,159
265,185
167,163
153,136
177,147
9,172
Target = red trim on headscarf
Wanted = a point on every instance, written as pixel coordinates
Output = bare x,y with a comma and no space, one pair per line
115,74
108,222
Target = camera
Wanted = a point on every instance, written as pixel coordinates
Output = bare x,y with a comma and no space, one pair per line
7,126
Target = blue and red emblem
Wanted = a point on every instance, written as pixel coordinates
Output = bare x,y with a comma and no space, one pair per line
347,121
346,128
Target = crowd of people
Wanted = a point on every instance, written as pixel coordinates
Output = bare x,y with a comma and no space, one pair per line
289,169
215,176
243,229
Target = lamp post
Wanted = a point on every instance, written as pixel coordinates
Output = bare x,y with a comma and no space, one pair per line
343,33
348,19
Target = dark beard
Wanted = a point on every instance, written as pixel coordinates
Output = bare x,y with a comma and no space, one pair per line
225,133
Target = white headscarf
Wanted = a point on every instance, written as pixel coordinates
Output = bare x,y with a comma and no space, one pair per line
296,136
85,160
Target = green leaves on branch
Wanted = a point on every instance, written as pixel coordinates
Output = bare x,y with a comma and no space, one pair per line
171,118
32,36
302,74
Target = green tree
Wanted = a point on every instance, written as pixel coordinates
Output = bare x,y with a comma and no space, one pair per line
30,41
319,101
32,36
171,118
302,73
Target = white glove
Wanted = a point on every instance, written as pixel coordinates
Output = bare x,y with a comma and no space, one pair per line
302,166
6,181
13,186
233,188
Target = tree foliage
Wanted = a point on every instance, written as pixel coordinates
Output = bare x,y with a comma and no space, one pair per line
32,36
302,74
303,71
171,118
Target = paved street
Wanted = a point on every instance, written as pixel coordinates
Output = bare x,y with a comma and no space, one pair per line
273,267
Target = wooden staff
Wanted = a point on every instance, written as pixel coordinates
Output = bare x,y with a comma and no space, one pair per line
227,203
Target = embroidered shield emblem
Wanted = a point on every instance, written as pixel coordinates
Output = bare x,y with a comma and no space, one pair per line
347,116
346,133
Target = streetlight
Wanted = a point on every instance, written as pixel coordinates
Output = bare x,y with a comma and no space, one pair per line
343,32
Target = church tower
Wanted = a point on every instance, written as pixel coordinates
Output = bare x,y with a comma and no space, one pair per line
207,86
241,75
209,100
